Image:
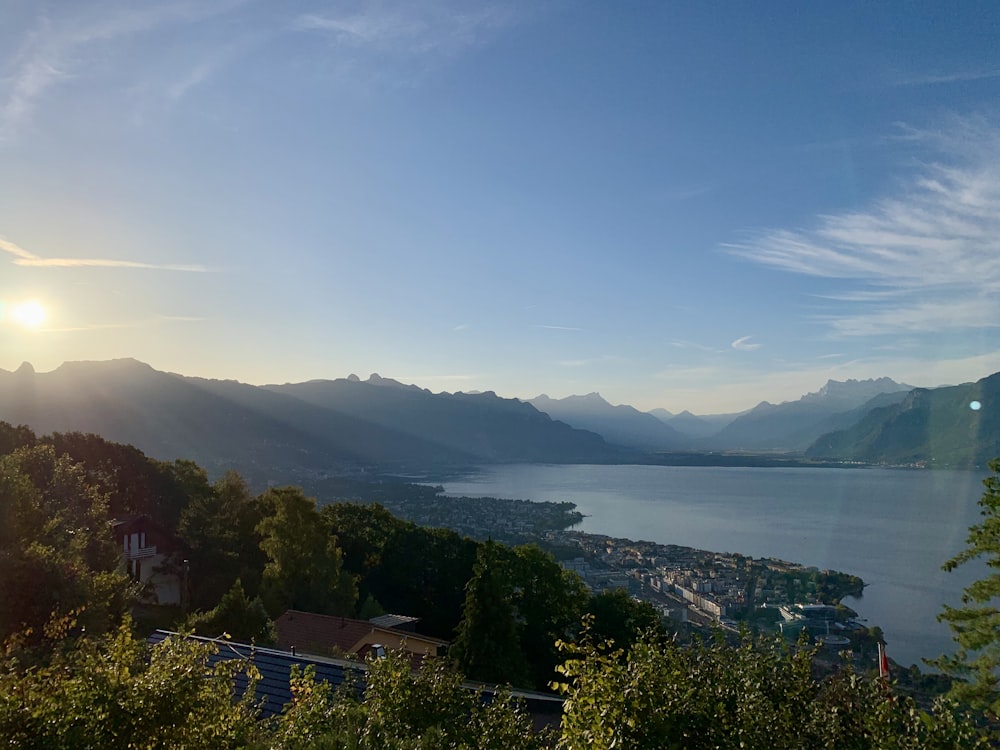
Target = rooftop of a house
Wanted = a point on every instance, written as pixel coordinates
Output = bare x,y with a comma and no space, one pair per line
327,634
273,691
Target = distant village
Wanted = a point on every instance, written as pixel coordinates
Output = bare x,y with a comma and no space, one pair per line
686,585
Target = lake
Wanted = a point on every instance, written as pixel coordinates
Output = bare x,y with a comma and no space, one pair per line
892,527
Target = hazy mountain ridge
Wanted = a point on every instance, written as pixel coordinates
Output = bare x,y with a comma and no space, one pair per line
619,425
226,423
483,424
795,425
344,424
928,427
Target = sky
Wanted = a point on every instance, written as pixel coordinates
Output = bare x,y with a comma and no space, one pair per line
679,205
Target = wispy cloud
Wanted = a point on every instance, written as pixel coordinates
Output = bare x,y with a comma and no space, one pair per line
22,257
959,76
60,50
408,29
556,328
743,344
926,258
461,327
587,362
681,344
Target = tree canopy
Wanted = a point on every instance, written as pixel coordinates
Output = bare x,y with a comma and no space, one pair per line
975,626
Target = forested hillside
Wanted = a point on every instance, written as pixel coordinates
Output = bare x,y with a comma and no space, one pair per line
77,672
957,427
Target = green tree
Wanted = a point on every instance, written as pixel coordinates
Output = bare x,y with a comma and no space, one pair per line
57,554
237,616
403,710
488,646
218,527
549,602
305,567
975,626
619,618
115,692
658,695
380,549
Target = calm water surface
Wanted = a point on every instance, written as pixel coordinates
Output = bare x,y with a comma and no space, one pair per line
894,528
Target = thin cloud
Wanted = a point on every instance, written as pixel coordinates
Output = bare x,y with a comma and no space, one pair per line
591,361
462,327
681,344
926,258
23,257
743,344
556,328
409,29
963,76
56,52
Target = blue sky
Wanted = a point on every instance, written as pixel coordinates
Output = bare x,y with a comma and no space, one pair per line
679,205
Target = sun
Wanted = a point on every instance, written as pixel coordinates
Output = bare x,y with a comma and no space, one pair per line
29,314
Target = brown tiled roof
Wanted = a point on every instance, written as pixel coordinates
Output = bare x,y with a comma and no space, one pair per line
319,634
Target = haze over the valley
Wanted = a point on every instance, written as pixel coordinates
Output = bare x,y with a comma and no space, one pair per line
681,206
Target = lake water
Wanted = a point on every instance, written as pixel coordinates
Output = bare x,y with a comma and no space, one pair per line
894,528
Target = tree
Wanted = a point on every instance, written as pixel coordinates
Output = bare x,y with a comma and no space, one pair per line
619,618
237,616
488,646
305,566
658,695
115,692
403,710
218,528
549,602
57,554
975,626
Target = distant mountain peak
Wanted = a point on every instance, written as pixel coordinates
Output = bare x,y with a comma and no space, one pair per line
25,369
376,379
352,378
856,389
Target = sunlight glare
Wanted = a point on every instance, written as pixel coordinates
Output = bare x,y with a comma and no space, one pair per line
28,314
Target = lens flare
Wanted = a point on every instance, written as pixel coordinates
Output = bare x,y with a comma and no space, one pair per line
28,314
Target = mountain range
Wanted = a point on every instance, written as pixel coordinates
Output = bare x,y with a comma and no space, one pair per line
285,432
956,426
315,426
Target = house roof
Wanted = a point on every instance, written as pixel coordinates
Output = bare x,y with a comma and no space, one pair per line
306,631
325,633
393,621
275,668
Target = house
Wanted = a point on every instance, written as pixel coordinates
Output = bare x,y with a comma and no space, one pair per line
273,690
150,555
328,634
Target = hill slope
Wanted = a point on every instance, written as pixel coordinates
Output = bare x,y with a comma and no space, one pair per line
794,425
935,427
619,425
226,423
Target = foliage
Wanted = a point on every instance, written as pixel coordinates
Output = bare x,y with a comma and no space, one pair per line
402,709
617,617
218,526
237,617
305,567
549,602
975,626
134,483
380,550
488,646
116,692
57,554
657,694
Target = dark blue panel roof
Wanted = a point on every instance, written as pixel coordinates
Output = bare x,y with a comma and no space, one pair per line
275,669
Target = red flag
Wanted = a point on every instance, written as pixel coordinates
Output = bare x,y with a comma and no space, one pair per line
883,663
